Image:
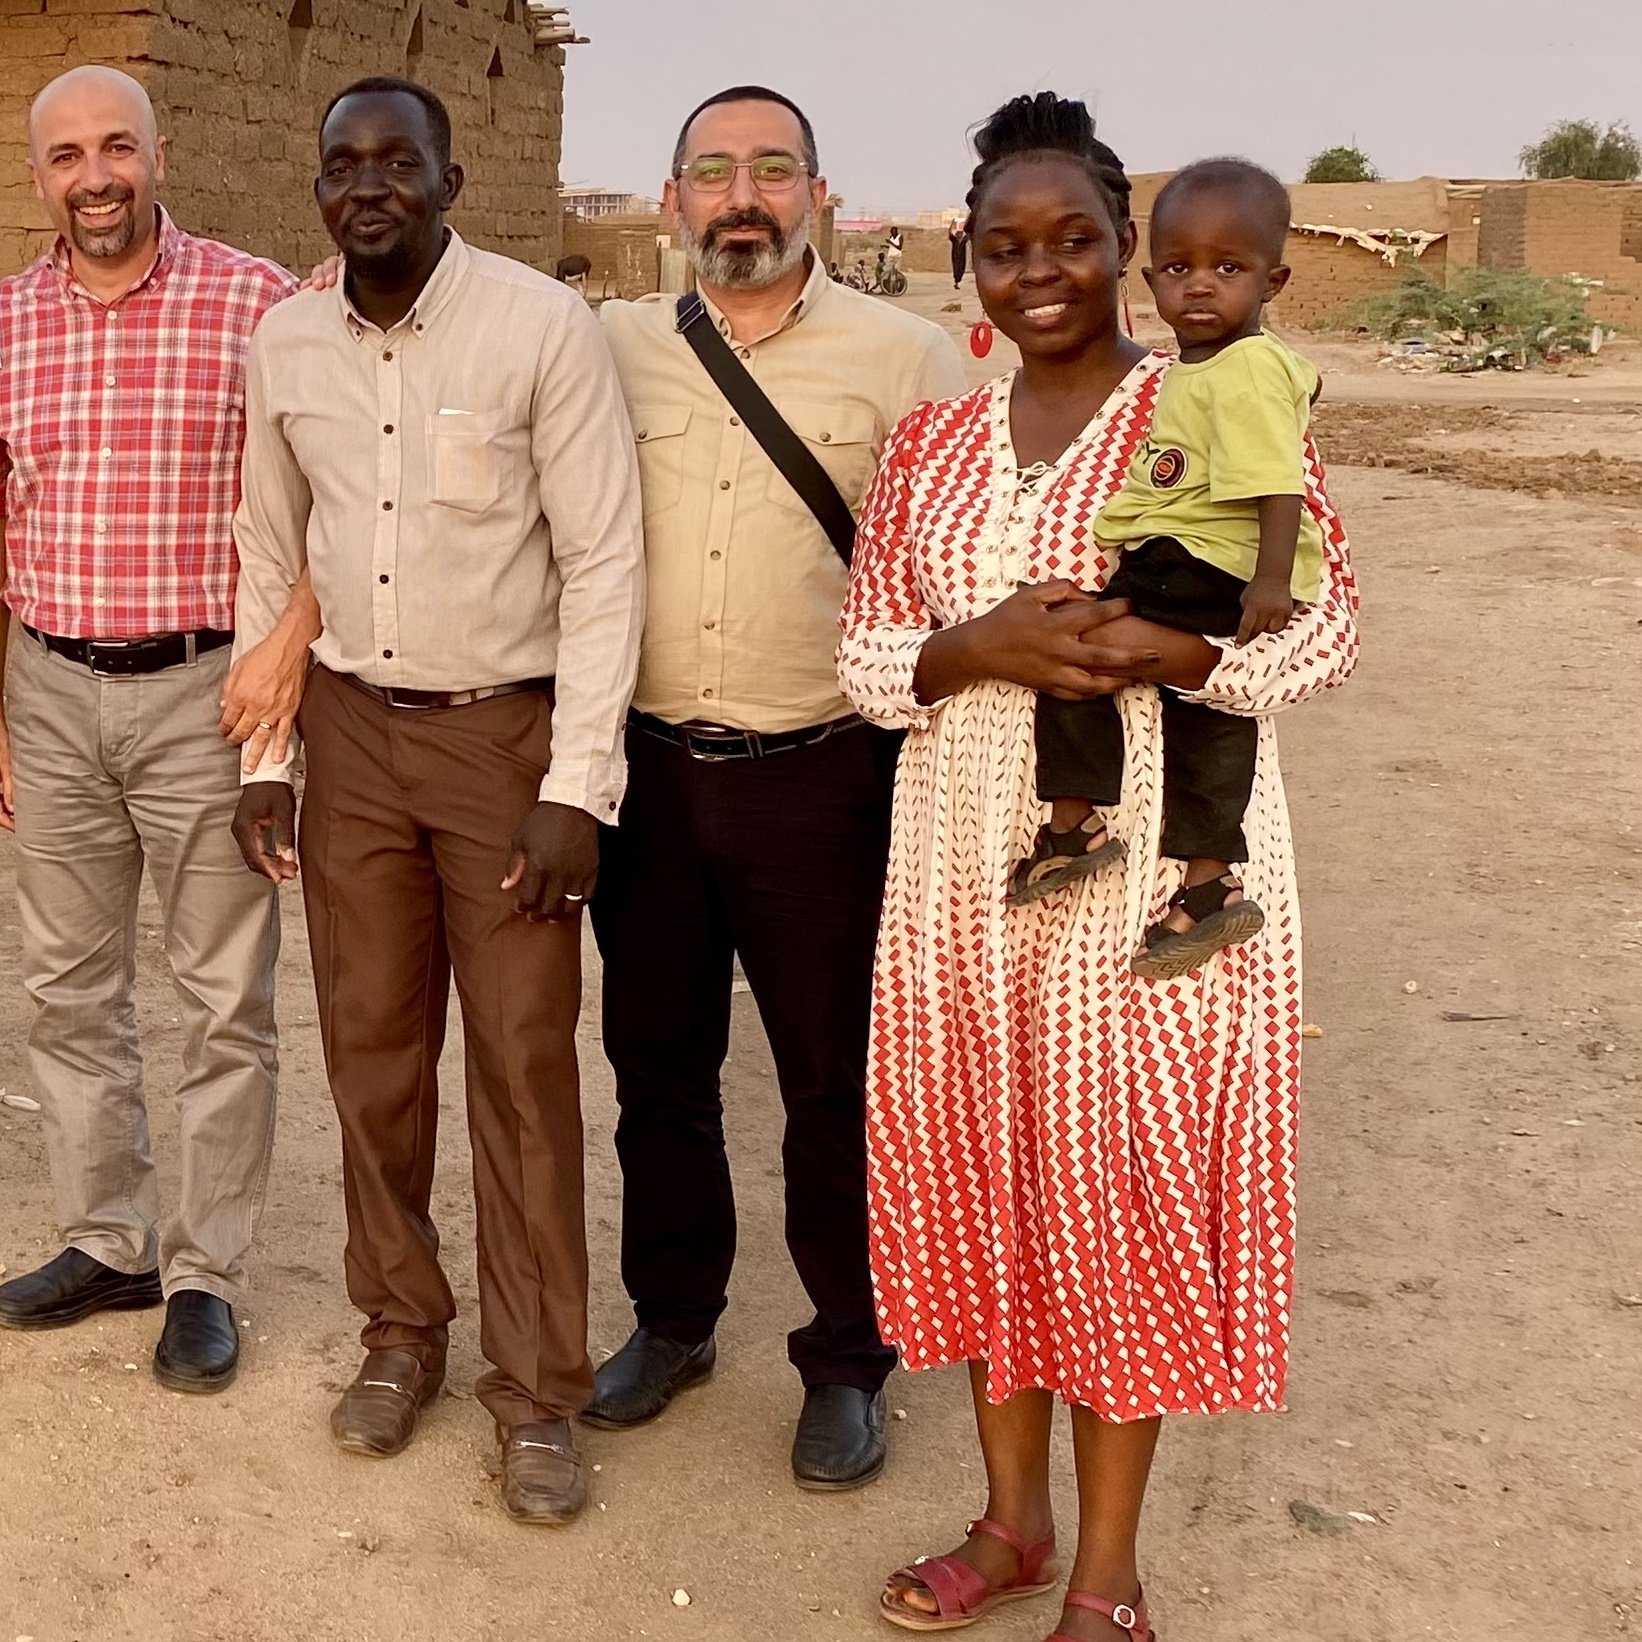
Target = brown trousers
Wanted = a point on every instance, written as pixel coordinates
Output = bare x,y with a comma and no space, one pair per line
406,821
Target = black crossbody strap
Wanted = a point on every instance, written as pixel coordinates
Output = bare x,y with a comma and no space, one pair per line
794,459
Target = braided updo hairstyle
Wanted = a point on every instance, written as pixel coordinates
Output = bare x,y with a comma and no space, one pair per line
1031,126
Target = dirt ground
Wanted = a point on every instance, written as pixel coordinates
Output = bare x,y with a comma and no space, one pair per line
1469,1323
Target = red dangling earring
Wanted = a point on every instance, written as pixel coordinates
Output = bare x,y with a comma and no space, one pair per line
980,339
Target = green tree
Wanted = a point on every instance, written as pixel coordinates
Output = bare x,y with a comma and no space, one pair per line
1582,148
1344,163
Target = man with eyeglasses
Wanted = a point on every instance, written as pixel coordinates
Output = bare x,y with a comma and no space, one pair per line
756,821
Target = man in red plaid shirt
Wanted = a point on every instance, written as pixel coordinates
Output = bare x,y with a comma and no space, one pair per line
122,362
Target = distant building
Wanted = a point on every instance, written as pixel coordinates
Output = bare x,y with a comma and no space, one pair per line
605,202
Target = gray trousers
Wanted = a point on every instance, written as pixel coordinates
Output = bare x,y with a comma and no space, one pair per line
112,774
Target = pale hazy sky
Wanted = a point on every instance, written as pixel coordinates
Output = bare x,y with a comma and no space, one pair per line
1447,87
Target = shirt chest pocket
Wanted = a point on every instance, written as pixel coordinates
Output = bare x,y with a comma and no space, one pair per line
466,458
841,440
659,433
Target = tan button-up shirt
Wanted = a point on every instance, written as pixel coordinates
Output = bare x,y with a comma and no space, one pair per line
463,490
745,588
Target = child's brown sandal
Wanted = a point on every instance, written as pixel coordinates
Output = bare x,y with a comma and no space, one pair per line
1168,953
1067,857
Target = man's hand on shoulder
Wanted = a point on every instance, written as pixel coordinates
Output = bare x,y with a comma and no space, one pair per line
553,862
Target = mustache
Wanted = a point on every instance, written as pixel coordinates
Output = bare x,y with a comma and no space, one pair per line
752,217
108,196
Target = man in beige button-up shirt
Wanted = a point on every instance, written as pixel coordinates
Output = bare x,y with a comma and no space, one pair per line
440,441
757,819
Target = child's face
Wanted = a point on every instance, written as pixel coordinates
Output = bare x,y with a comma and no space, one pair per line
1210,273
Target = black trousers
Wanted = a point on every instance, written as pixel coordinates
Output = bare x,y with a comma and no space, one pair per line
780,861
1208,756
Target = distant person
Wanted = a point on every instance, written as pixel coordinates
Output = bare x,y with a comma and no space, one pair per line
757,816
958,242
122,377
894,243
442,443
1082,1180
1215,539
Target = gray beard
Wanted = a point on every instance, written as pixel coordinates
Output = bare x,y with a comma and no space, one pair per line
754,270
103,243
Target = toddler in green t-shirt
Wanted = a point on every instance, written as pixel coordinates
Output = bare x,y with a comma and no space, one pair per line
1216,539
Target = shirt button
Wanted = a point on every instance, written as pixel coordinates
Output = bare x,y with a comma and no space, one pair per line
108,381
745,353
102,527
708,694
643,433
735,421
387,427
387,358
826,438
387,507
724,484
383,580
387,655
106,452
709,625
715,554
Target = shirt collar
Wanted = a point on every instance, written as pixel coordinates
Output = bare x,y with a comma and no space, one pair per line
816,285
171,241
443,284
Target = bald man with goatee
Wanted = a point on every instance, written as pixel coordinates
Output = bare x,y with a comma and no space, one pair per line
122,362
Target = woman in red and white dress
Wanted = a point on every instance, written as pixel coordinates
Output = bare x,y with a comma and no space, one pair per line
1082,1181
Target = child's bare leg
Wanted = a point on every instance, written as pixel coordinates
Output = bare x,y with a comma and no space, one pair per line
1066,813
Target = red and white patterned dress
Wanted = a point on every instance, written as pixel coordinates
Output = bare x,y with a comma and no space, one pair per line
1083,1179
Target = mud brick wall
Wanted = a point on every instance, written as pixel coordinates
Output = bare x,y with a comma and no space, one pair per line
1330,280
923,250
1556,228
622,250
239,85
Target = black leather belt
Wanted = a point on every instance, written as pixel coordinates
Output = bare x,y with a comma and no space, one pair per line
125,658
422,701
713,743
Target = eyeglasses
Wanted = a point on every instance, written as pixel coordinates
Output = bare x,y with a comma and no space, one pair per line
771,173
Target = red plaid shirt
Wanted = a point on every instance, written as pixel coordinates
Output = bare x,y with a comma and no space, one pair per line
120,435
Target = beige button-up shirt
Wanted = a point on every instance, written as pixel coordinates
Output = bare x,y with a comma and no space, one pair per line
463,490
745,588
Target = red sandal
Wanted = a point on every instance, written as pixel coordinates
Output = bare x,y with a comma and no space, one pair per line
1126,1617
962,1593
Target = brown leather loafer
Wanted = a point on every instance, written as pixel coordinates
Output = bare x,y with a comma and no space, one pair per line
542,1479
377,1413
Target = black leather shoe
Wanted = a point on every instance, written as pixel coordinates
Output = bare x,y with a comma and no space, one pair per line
840,1439
644,1376
71,1287
199,1345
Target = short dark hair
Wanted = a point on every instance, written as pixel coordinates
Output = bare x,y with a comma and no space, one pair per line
383,85
1267,200
751,94
1034,125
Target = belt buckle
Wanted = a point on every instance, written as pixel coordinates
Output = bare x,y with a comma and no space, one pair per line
94,645
390,693
705,757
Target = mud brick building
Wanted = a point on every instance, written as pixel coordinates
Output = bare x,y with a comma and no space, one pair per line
239,86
